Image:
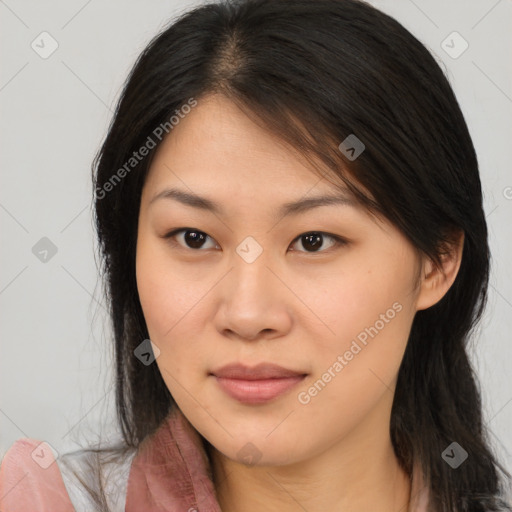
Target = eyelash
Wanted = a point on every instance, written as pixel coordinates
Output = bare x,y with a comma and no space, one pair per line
339,241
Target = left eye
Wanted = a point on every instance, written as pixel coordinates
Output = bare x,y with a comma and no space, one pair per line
315,239
312,240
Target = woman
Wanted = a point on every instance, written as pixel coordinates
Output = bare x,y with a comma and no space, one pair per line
290,218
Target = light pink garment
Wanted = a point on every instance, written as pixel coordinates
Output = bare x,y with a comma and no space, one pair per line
28,487
170,472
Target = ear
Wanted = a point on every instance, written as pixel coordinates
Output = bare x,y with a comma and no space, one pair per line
435,281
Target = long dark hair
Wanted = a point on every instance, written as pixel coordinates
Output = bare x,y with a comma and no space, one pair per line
313,73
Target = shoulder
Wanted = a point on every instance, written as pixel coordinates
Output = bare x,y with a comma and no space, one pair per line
30,479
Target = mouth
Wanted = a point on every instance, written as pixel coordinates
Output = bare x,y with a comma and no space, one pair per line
258,384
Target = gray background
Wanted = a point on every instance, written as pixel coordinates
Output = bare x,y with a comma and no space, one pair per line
55,365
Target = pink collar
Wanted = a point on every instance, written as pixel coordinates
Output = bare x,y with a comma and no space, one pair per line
171,471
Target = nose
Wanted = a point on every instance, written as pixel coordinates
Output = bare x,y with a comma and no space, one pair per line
253,302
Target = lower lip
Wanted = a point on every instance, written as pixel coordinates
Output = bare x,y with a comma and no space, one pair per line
257,391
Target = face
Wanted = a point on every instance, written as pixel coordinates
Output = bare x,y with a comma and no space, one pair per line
327,292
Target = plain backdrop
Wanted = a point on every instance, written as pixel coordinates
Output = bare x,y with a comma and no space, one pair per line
56,355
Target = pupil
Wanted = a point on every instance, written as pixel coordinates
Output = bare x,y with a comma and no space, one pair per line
194,238
314,239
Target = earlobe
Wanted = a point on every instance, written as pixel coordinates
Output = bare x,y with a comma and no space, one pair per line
436,281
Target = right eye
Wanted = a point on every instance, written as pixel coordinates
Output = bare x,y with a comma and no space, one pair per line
188,238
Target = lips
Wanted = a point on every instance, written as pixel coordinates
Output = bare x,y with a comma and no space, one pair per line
258,384
261,371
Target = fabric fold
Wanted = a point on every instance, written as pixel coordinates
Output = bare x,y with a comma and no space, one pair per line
171,471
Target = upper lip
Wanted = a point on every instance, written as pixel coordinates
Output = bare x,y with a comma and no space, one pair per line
258,372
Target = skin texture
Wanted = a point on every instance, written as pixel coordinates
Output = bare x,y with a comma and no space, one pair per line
293,306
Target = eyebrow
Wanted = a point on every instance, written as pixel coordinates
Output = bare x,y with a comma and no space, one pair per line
287,209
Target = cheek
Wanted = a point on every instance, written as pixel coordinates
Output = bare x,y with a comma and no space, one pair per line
164,294
350,302
171,302
366,310
153,287
164,309
355,365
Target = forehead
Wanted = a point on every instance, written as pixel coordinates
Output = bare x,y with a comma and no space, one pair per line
218,147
